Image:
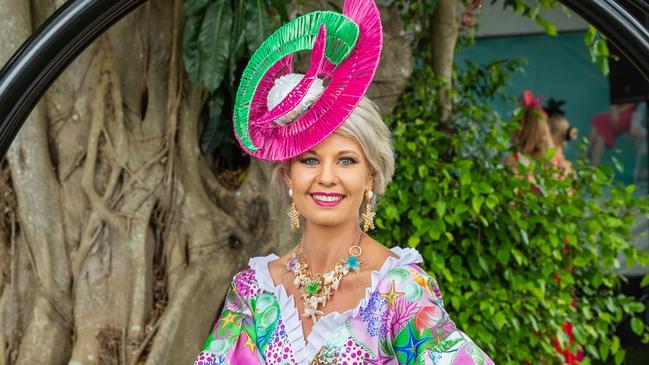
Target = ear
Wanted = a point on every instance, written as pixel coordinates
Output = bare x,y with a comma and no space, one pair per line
287,178
370,182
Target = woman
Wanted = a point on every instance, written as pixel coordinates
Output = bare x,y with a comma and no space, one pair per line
561,132
533,140
338,297
607,127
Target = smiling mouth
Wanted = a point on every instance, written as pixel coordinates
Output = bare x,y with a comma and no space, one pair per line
327,198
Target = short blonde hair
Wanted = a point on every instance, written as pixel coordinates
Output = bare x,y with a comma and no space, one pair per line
366,127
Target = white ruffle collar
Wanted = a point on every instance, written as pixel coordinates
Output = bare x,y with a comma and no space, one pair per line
306,349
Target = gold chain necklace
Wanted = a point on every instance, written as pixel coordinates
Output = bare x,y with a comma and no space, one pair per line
317,288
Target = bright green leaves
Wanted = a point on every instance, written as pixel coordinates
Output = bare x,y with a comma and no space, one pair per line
508,254
597,48
637,326
499,320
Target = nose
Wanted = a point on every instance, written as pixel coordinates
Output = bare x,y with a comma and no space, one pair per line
327,174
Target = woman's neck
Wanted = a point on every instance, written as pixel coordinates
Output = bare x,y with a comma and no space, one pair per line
324,246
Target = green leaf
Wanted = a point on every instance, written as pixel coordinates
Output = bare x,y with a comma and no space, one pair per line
615,345
237,40
503,255
193,7
423,171
637,326
524,237
619,357
590,34
604,348
645,281
214,42
440,206
214,134
476,203
191,48
547,26
413,241
257,26
499,320
635,307
492,201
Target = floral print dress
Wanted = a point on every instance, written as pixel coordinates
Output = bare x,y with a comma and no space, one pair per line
401,320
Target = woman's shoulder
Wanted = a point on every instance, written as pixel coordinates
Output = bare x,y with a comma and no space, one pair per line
252,280
407,274
402,270
417,315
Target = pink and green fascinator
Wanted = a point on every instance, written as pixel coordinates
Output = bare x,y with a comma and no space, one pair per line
279,114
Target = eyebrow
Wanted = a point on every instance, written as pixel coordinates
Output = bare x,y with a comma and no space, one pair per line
339,153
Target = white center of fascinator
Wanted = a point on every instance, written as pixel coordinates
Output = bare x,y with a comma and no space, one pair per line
283,87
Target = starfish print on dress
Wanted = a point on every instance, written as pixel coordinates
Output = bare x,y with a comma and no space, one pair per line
411,348
230,318
249,344
392,295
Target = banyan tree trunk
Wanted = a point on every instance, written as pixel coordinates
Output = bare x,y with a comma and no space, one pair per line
118,237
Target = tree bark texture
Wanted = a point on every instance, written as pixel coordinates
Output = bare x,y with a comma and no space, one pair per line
118,241
443,36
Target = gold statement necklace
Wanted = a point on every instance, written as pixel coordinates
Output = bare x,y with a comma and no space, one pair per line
317,288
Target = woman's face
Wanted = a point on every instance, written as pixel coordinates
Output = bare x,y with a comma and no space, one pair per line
329,181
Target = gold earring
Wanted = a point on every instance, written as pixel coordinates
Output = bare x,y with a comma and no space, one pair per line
293,213
368,216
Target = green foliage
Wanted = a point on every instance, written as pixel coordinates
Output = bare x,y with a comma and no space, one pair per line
219,37
515,259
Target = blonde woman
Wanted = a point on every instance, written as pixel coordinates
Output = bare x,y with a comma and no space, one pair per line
533,140
339,296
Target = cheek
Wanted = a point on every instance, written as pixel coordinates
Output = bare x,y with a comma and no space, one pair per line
356,181
301,178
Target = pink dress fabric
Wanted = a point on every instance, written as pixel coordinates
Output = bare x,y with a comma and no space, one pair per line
603,124
401,320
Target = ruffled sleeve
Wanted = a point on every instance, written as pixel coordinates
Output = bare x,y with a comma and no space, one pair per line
233,339
421,330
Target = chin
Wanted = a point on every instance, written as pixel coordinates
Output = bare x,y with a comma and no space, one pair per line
331,221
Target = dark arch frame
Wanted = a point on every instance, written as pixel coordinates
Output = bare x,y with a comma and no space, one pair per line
64,35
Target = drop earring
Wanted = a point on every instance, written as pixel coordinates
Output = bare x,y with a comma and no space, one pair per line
368,216
293,213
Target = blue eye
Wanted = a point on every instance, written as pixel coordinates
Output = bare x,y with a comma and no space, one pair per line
309,161
346,161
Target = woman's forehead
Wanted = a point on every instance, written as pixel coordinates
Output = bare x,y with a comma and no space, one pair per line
337,143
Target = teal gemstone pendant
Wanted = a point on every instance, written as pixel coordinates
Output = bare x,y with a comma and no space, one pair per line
352,261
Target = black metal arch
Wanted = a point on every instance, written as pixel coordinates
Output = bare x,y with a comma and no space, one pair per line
56,43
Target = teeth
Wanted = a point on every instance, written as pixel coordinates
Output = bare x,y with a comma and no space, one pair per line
326,198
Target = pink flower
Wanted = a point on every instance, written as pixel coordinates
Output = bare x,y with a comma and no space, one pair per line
529,101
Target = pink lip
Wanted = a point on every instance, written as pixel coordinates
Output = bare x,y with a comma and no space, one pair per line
327,204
